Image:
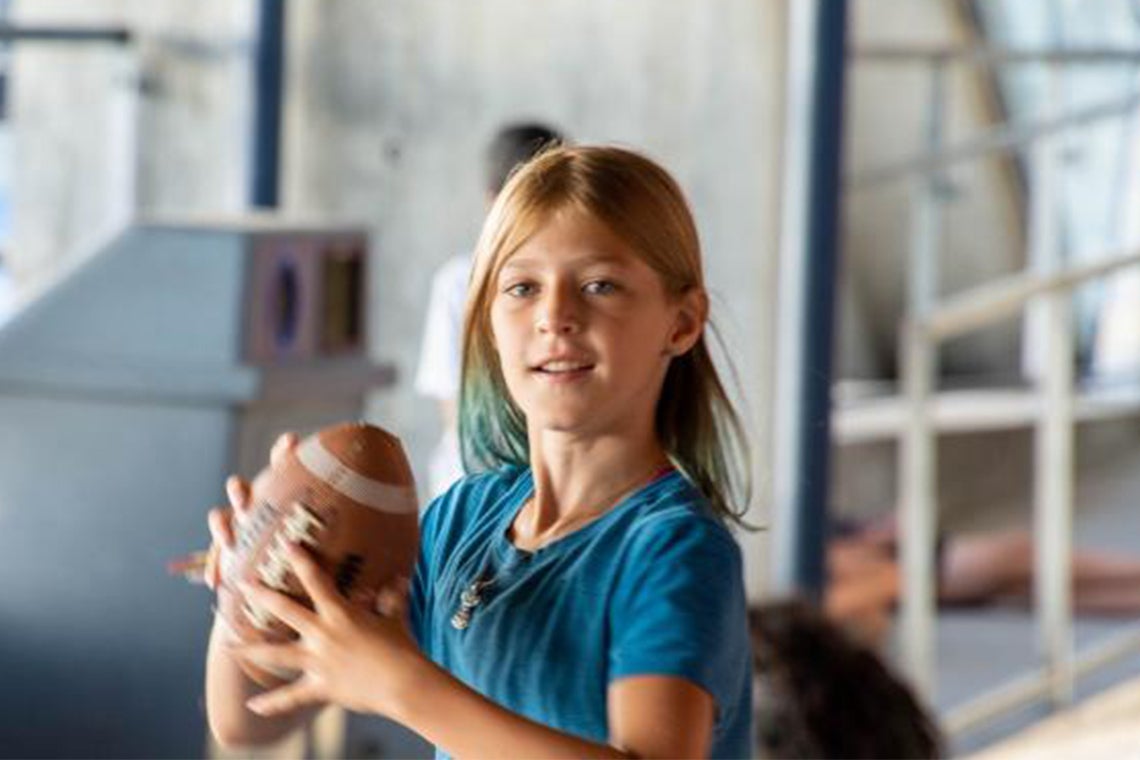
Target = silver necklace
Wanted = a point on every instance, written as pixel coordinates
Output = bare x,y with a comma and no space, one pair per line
473,595
469,599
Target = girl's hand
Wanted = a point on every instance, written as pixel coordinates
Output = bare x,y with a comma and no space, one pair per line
360,656
223,521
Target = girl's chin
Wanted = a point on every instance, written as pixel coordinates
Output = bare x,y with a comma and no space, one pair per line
560,423
567,422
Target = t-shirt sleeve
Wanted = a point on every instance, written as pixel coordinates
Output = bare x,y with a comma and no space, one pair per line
419,595
679,609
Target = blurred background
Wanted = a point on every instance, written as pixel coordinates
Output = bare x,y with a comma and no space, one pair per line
220,220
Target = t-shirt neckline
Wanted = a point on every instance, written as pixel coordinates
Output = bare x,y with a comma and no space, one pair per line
526,487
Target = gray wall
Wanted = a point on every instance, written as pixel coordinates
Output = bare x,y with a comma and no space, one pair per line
104,133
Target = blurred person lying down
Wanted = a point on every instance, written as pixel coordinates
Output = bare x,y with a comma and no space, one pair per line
994,567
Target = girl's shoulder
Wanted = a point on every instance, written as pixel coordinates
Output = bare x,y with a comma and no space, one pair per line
474,499
675,510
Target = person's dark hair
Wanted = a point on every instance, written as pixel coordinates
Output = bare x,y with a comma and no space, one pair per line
516,144
820,694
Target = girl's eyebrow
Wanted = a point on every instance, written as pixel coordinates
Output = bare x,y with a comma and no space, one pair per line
524,262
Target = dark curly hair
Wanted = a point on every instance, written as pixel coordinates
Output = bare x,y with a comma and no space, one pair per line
819,694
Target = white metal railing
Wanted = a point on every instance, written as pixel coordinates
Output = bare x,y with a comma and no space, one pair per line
1044,291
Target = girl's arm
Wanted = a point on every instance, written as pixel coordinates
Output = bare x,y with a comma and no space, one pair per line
228,689
369,663
661,716
649,716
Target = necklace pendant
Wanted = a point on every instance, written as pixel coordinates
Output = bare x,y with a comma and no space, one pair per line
461,619
470,598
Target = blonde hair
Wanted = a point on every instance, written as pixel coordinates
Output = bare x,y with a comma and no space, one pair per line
640,203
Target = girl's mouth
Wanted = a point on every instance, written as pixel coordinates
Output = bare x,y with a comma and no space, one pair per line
562,370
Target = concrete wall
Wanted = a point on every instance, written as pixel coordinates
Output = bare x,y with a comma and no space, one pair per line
105,133
389,105
981,235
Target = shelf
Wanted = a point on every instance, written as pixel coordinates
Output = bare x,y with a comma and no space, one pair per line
976,410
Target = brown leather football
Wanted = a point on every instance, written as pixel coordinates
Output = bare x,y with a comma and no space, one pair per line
346,492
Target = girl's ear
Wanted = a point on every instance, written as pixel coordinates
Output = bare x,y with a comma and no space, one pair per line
692,314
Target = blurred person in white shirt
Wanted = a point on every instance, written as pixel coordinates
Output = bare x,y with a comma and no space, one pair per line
437,376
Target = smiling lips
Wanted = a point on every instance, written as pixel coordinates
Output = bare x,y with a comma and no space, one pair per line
562,369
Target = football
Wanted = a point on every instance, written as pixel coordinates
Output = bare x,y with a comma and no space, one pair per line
346,493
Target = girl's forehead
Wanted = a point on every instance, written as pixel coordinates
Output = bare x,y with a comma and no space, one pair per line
545,256
571,237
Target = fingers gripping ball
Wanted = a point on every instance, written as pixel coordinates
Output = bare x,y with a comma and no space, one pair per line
346,493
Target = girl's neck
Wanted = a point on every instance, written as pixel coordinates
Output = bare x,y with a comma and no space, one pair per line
578,482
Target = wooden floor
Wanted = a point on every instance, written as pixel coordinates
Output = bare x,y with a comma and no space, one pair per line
1105,726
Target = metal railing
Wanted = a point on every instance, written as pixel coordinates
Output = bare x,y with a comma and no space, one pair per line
1044,291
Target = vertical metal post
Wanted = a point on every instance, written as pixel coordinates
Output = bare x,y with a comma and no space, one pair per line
918,504
125,165
807,310
789,345
267,87
1053,471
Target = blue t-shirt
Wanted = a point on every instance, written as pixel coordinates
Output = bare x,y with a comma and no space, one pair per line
654,586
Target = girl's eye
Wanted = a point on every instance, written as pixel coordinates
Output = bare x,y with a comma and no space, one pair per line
519,289
599,287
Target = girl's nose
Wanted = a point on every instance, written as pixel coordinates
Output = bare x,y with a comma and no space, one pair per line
558,313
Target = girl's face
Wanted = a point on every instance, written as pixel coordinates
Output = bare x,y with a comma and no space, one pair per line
584,329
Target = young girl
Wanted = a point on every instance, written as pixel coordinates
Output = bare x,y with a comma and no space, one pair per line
581,595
